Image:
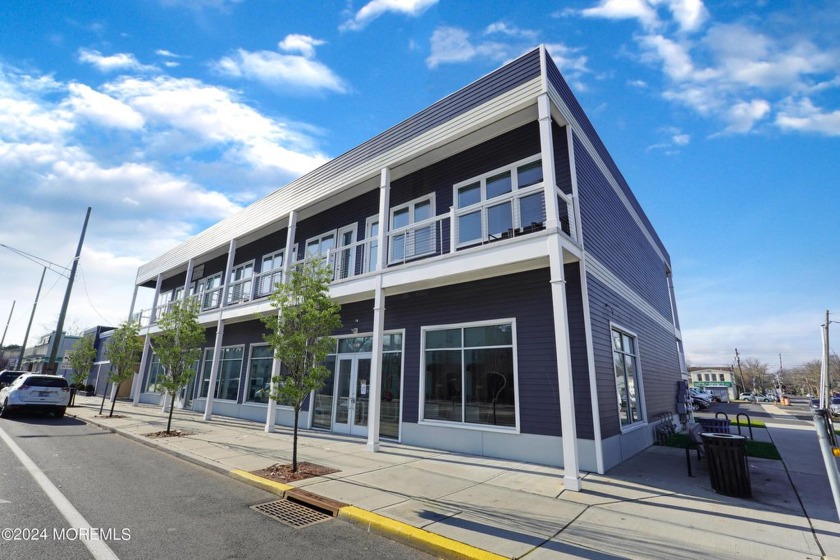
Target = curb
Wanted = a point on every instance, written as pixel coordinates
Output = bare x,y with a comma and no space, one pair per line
395,530
414,536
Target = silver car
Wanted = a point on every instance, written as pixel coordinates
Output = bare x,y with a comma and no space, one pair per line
36,392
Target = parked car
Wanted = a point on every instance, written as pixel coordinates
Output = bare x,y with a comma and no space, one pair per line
834,407
815,404
746,397
765,398
700,394
7,376
36,392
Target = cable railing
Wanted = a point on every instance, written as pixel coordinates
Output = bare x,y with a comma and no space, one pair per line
418,240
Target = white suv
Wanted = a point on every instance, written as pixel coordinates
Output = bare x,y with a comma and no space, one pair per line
36,392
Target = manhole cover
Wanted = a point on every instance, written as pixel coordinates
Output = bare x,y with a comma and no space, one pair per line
291,513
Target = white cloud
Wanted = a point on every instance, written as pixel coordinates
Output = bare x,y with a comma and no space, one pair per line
376,8
102,109
803,116
690,14
113,63
511,31
624,9
743,116
294,72
304,44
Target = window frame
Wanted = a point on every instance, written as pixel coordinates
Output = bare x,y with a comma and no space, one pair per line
371,240
514,197
412,224
245,399
218,377
642,421
463,424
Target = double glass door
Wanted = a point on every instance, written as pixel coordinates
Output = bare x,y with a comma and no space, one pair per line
352,394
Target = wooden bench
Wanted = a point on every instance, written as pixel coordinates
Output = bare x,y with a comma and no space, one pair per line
695,442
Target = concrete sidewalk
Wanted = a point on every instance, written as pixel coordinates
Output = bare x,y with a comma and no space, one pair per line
645,508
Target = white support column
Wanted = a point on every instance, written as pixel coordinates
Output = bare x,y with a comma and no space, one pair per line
572,478
188,279
214,371
374,399
133,302
552,208
137,385
228,272
271,411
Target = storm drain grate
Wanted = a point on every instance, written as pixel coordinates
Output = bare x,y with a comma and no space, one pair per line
291,513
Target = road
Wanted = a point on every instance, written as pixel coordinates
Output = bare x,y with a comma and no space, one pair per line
143,504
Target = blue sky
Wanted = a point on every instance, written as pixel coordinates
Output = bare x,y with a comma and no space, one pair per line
165,116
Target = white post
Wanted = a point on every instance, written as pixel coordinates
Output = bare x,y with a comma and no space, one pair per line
552,208
133,302
137,385
271,412
214,371
571,479
188,279
375,390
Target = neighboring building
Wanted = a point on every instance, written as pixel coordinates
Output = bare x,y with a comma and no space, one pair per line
35,358
717,380
502,291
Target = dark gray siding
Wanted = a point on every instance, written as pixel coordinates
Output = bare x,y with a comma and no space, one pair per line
524,296
658,358
613,237
579,353
571,101
255,250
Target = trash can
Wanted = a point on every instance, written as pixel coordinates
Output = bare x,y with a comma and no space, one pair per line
785,401
728,467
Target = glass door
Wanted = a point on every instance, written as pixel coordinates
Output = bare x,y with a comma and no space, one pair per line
352,393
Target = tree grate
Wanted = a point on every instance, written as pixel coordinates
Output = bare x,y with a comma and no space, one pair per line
291,513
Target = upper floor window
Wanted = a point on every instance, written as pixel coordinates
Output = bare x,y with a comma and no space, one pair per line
500,203
627,376
239,287
372,246
210,288
271,272
413,233
319,246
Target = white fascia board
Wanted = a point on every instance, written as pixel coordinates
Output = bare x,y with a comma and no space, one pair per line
312,187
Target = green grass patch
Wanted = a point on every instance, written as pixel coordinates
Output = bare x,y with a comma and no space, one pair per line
758,449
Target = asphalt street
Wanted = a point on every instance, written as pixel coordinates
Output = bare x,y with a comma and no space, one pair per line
142,504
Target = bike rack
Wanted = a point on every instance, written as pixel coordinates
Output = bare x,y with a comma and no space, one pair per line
749,423
725,415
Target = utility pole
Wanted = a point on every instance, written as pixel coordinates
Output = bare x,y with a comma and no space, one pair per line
3,340
825,383
29,325
50,365
740,372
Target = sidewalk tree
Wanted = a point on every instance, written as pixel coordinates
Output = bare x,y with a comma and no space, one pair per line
177,346
123,352
299,334
81,358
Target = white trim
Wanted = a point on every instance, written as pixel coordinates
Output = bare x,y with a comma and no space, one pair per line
369,237
463,424
248,371
602,273
637,354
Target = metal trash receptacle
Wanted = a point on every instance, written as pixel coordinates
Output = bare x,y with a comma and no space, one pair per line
715,425
728,467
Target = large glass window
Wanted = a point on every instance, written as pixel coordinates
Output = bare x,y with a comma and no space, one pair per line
500,204
372,245
259,373
230,367
211,291
469,375
240,283
271,273
625,361
155,374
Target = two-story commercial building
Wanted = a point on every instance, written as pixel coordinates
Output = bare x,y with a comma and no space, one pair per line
502,291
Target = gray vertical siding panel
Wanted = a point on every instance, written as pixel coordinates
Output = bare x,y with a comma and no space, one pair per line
658,358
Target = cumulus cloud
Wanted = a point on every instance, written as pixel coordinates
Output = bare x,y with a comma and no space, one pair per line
101,109
730,71
114,63
296,72
376,8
